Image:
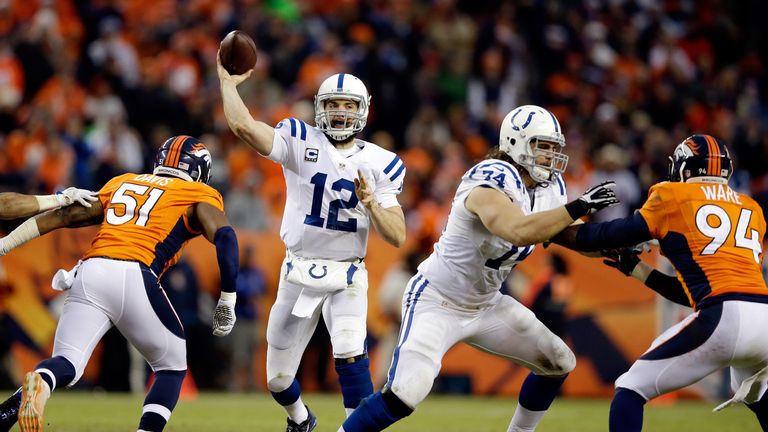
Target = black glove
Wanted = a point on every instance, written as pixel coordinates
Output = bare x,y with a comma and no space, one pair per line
594,199
625,259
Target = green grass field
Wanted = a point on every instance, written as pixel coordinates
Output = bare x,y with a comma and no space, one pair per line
93,412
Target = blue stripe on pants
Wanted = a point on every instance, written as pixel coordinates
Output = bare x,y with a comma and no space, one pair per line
407,325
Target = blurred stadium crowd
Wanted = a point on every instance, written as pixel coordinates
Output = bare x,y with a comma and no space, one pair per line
88,89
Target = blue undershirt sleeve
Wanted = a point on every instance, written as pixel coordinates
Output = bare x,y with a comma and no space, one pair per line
614,234
228,256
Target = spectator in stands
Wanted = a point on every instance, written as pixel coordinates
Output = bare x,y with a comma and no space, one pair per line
243,341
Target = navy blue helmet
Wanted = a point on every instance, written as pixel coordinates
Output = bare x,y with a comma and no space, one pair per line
701,156
184,157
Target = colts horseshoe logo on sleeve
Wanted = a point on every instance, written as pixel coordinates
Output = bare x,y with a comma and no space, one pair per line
325,272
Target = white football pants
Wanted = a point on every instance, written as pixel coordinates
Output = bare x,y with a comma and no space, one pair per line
127,295
432,324
732,333
344,313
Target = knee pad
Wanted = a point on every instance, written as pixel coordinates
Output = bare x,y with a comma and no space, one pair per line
348,340
175,357
565,359
279,383
559,360
628,382
413,378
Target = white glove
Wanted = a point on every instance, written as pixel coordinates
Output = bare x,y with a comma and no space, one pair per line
73,195
224,314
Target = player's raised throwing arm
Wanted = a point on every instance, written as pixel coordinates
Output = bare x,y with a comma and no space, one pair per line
506,219
216,229
256,134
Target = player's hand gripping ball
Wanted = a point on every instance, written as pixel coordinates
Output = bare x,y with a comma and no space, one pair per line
237,52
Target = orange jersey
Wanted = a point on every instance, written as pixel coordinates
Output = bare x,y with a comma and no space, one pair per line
713,236
145,218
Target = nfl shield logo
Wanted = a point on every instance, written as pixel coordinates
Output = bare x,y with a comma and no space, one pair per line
310,154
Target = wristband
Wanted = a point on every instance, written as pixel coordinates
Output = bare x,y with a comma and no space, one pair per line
641,271
577,208
227,297
49,202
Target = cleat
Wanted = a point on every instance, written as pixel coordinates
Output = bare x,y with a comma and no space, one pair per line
35,394
306,426
9,412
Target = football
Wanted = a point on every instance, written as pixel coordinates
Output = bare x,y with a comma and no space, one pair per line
237,52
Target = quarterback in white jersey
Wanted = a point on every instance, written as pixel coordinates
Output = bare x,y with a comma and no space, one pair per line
322,218
504,205
337,187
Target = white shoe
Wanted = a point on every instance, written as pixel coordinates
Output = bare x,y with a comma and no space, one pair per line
35,394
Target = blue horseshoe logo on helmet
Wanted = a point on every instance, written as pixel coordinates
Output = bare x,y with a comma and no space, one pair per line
527,121
325,272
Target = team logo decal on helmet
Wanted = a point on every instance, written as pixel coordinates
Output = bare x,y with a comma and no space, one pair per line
341,124
703,157
522,134
184,157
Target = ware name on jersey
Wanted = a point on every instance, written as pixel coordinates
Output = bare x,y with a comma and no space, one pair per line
469,264
145,218
323,217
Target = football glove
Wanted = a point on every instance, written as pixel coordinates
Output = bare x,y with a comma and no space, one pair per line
73,195
224,314
594,199
624,259
599,197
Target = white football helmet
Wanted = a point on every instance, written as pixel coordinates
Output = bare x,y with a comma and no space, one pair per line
347,123
521,132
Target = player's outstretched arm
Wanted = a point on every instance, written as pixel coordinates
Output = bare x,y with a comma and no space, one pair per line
256,134
14,205
627,261
216,229
506,219
615,234
68,217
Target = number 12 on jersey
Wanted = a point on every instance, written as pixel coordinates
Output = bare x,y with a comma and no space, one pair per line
315,219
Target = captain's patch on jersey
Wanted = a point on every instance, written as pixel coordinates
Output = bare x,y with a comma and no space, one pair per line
310,154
